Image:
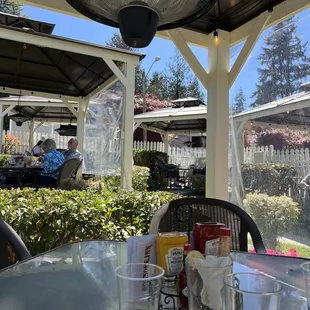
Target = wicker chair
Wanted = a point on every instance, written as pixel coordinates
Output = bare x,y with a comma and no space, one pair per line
182,214
12,248
65,172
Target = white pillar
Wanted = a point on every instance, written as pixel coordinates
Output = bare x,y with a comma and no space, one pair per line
166,143
218,120
81,117
127,128
237,161
31,131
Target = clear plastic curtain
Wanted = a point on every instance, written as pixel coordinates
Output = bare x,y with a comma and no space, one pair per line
102,148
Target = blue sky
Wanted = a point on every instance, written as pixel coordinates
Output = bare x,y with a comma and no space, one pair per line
85,30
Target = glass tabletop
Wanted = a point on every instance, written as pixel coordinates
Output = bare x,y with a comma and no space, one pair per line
81,276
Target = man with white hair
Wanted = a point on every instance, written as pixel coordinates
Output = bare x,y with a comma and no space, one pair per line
72,151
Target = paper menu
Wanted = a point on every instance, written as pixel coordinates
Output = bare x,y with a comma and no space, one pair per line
142,249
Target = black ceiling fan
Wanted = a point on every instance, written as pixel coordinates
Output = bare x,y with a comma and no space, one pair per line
139,20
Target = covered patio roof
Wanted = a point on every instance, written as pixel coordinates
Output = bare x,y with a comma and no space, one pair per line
236,21
23,22
293,111
44,65
237,16
174,120
50,69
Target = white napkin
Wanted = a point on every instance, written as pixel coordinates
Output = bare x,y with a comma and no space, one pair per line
213,278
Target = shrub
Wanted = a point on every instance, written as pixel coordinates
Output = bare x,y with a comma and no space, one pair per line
198,184
140,178
273,215
149,159
4,159
48,218
270,179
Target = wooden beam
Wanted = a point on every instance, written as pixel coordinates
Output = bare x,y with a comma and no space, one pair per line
189,56
254,35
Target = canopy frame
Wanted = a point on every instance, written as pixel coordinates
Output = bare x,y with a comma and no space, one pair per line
80,105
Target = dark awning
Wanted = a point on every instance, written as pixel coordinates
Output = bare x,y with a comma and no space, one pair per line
36,68
22,22
228,15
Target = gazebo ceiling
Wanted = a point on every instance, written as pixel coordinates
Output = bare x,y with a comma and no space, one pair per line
41,69
228,15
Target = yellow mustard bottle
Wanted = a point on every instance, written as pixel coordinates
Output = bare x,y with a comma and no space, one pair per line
170,247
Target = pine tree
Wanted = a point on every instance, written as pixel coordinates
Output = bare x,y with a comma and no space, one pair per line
284,64
239,102
117,41
193,89
10,7
179,75
159,86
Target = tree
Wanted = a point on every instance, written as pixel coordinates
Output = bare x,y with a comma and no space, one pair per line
175,82
193,89
10,7
159,85
152,103
178,76
284,64
239,102
117,42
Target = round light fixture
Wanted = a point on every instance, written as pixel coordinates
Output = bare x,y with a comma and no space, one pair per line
19,118
139,20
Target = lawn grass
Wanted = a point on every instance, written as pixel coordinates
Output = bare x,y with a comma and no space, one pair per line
283,247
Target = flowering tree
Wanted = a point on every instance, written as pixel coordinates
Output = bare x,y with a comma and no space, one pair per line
10,144
152,103
281,139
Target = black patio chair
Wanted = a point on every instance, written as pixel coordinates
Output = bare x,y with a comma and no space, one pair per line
65,172
182,214
12,248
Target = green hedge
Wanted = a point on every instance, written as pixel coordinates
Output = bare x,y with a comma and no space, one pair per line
270,179
140,178
49,218
148,159
4,159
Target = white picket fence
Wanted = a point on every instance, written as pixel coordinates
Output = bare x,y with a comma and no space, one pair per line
298,157
178,156
186,156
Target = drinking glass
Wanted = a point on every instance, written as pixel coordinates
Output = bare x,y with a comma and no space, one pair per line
246,291
139,286
306,269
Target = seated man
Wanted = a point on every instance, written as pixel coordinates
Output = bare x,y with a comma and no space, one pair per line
72,151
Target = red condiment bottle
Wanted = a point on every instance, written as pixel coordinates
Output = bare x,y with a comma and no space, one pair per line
207,234
182,280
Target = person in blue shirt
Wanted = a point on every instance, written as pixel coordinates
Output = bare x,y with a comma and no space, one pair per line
52,160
